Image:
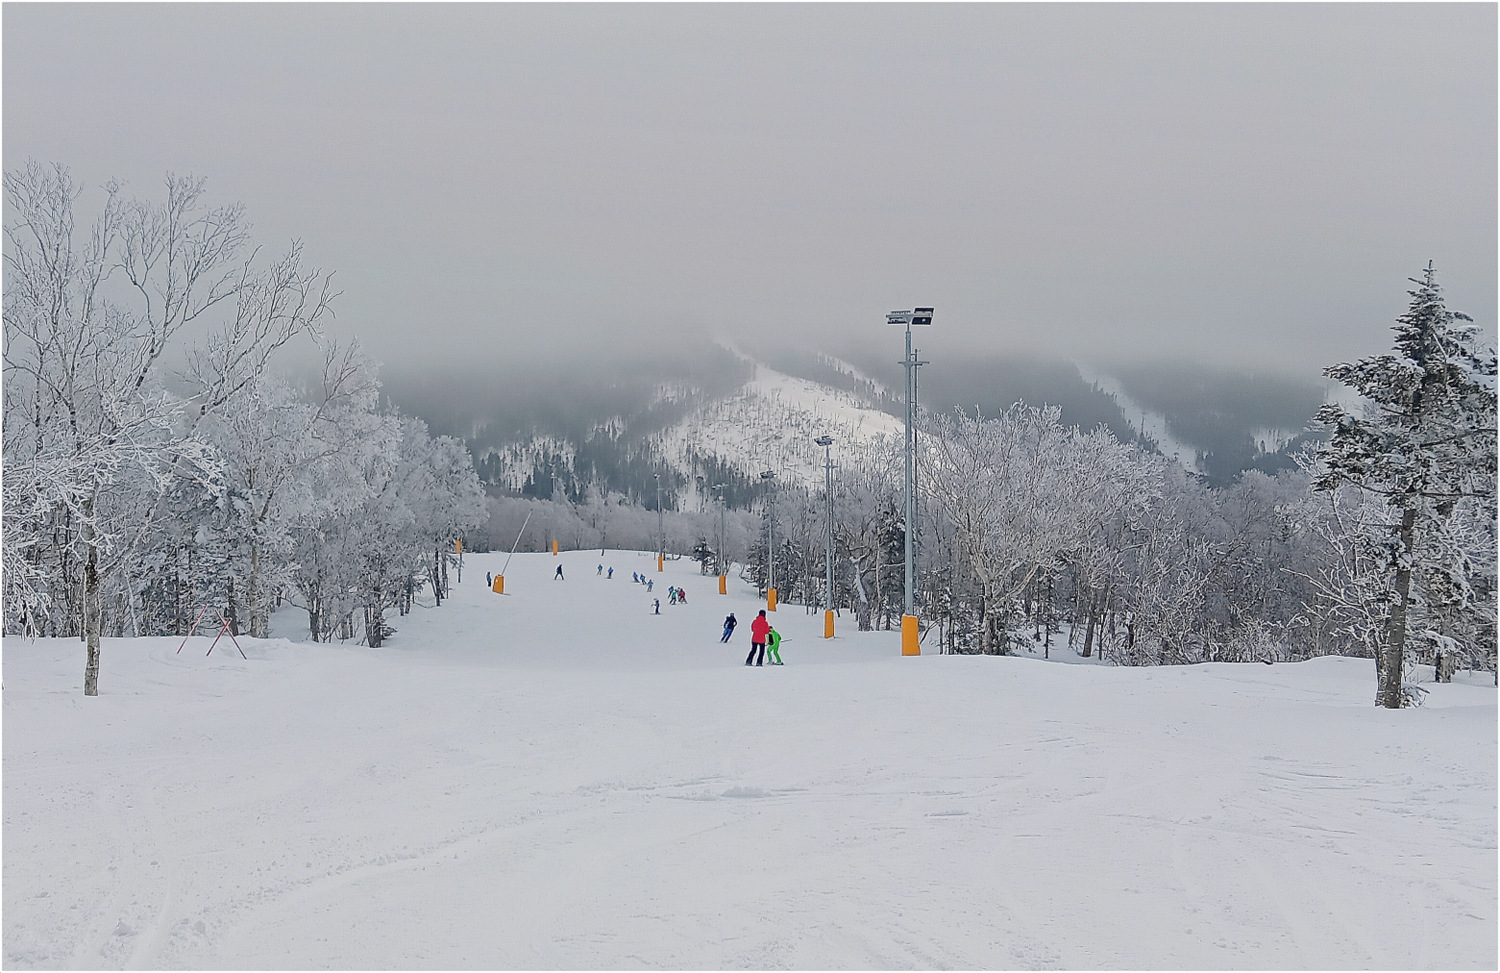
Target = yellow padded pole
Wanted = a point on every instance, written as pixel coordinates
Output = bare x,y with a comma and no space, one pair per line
911,643
499,586
554,548
828,624
771,600
723,584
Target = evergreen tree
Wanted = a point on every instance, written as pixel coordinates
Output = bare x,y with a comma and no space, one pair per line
1426,444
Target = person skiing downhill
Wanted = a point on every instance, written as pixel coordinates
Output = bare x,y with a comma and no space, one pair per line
649,584
758,630
729,624
559,575
773,647
681,597
601,570
611,575
656,606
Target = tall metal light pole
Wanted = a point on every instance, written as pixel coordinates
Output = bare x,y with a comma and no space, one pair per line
661,534
827,443
918,316
719,488
769,476
719,546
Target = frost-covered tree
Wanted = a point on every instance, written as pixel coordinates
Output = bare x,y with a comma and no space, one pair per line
90,317
1014,489
280,450
1425,443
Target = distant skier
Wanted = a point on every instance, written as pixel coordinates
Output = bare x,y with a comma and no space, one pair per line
558,576
489,582
729,624
773,647
682,596
611,575
758,630
671,596
656,603
649,584
601,570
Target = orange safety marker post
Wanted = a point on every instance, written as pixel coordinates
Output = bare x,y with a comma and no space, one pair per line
660,562
499,586
828,624
723,584
771,600
554,548
911,643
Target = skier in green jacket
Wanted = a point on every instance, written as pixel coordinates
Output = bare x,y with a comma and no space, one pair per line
773,647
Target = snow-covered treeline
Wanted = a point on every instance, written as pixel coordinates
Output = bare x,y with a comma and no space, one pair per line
1383,543
157,469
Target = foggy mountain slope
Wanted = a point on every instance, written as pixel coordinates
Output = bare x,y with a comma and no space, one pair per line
1217,422
1235,420
770,423
706,413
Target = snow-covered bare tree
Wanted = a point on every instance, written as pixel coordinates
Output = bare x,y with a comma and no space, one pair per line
1013,487
89,320
279,450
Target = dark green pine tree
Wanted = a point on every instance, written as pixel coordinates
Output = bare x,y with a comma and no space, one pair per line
704,555
1426,444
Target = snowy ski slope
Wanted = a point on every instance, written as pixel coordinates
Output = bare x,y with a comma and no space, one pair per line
558,778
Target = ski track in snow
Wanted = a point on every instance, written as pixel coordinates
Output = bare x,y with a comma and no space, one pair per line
556,778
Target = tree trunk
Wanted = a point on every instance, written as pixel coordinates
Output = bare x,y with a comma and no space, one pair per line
92,610
374,625
1392,653
986,631
1088,635
862,612
232,615
255,601
315,611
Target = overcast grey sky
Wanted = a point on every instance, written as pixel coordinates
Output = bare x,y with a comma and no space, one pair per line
1241,185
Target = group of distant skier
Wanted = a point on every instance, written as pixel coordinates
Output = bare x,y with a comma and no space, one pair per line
765,641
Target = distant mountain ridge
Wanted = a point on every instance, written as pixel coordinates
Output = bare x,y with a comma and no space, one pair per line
706,414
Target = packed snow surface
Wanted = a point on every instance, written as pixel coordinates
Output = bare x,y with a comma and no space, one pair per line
558,778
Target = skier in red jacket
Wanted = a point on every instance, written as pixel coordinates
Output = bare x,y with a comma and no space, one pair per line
758,631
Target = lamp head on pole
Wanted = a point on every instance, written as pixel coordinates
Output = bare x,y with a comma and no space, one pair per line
824,440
